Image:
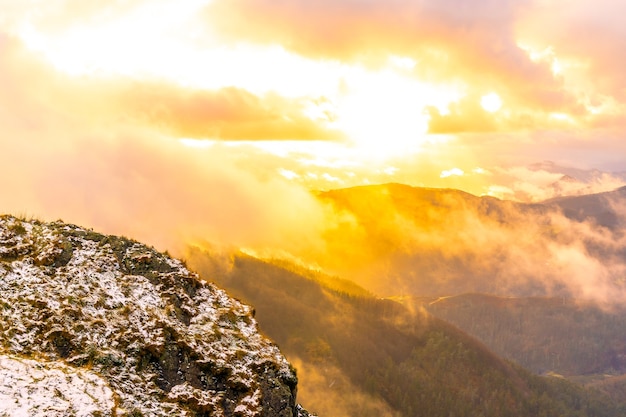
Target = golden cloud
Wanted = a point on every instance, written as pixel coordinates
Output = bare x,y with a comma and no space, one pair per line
228,113
448,40
225,113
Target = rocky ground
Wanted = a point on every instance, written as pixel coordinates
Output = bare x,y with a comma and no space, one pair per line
95,325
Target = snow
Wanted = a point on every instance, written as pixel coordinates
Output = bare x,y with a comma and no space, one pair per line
29,387
248,404
78,332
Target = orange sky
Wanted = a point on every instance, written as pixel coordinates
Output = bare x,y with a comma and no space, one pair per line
112,112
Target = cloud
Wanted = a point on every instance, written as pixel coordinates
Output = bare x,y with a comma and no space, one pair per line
252,47
344,29
587,37
325,390
464,116
158,191
83,151
450,172
449,40
400,241
58,15
533,185
549,64
226,113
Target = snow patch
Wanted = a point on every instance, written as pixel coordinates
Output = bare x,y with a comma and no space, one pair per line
86,319
29,388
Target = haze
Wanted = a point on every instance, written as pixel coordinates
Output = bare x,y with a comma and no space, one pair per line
177,122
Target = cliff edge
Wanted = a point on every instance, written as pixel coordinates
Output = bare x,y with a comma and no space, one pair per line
95,325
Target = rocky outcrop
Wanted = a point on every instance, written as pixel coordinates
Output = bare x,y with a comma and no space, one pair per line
104,326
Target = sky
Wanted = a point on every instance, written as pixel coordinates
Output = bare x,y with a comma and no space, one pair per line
175,120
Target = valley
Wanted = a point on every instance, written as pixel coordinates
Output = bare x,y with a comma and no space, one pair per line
432,267
423,302
333,208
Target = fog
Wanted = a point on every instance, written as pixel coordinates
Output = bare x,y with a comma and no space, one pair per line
104,153
399,240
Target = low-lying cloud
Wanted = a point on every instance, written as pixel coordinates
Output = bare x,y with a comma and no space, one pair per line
437,243
89,162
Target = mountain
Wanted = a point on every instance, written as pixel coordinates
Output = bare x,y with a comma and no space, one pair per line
586,177
554,268
546,180
563,336
359,355
604,209
581,341
539,284
396,240
96,325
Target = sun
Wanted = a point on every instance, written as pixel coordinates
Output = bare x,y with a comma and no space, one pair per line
491,102
375,122
383,112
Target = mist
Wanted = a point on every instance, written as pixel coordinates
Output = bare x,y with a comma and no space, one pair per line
358,161
330,392
94,151
398,240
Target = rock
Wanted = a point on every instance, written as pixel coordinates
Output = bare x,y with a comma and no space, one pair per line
123,330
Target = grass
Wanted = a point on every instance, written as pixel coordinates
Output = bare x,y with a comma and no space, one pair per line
17,228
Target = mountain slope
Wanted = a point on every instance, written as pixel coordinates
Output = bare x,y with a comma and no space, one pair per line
373,357
441,244
398,239
101,325
542,334
603,209
394,239
580,341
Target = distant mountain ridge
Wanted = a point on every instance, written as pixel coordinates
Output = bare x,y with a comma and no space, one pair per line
580,341
541,284
601,208
547,179
96,325
584,176
395,239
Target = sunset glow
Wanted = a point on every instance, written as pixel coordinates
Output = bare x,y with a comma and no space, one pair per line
301,96
491,102
348,168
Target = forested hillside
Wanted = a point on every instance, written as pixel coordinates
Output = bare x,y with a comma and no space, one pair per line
372,357
581,341
542,334
396,240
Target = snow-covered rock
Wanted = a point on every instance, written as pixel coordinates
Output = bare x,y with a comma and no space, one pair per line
102,325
